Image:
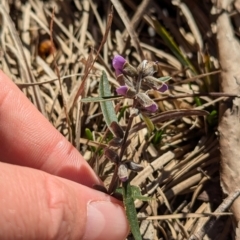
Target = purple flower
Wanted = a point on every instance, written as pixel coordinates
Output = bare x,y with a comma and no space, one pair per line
122,90
150,82
163,88
147,103
118,63
152,108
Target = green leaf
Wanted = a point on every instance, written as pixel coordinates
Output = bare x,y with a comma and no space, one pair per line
149,123
171,44
100,99
89,136
130,194
119,190
131,212
212,118
157,137
136,194
107,107
196,99
164,79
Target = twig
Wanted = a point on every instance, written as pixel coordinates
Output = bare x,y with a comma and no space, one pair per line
109,23
223,207
59,78
129,27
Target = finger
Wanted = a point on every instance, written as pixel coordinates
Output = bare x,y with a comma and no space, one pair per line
37,205
28,139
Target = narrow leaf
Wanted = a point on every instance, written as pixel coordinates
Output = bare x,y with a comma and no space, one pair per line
136,194
107,107
89,136
149,123
157,137
171,44
164,79
131,210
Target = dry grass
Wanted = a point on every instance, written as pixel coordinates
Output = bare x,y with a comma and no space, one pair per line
182,170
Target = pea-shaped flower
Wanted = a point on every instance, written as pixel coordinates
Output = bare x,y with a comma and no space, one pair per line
126,91
118,64
121,66
122,90
147,103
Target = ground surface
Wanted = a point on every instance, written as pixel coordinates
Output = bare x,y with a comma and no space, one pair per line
183,149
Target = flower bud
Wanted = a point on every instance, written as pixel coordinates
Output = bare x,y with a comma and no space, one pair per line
118,63
154,83
111,155
152,108
134,166
122,80
163,88
122,90
117,130
129,70
147,68
116,142
121,66
148,104
123,172
126,91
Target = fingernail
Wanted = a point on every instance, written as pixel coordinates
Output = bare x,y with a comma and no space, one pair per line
105,220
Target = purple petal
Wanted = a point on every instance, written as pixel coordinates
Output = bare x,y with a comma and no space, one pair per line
163,88
122,90
152,108
118,63
118,72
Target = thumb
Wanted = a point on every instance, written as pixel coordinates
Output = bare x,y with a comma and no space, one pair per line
37,205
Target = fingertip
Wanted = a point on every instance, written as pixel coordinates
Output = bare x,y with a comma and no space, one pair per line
105,220
49,207
96,215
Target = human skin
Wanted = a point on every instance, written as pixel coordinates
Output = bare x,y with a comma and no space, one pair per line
45,184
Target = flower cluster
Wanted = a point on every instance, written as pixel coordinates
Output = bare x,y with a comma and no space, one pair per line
132,80
134,83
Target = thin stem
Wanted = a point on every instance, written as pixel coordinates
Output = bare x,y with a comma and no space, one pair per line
127,132
210,94
115,176
114,180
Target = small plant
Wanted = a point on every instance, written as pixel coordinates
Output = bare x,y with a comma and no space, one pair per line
134,84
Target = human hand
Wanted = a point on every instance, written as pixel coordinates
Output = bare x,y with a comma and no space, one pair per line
44,181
